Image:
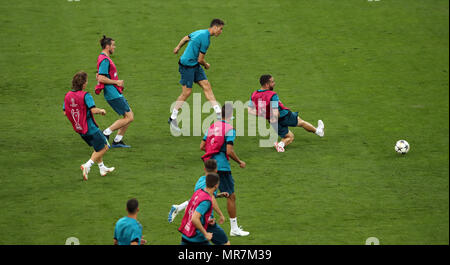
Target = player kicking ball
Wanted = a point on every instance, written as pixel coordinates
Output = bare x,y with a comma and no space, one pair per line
266,103
219,236
79,107
190,68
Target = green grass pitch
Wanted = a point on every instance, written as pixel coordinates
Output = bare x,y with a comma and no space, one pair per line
374,72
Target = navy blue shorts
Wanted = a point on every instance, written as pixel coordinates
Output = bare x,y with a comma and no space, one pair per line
226,182
290,120
191,75
119,105
185,242
219,236
96,140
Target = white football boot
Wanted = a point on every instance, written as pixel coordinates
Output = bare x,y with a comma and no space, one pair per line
85,171
105,170
320,131
239,232
279,148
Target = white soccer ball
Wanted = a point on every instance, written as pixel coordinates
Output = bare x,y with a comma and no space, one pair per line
401,147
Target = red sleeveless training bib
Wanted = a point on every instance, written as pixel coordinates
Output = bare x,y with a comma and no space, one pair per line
187,227
112,74
75,109
261,101
216,138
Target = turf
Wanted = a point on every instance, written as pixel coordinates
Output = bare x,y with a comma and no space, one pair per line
374,72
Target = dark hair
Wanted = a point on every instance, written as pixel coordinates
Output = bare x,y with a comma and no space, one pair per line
105,41
78,80
211,165
227,110
211,180
132,205
264,79
217,22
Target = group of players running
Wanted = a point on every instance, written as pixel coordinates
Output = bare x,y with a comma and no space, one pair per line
198,225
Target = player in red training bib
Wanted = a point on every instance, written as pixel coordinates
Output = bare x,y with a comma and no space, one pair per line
112,87
79,107
264,102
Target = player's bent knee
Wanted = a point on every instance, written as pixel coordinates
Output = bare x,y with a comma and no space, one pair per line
129,116
206,86
186,92
103,150
290,135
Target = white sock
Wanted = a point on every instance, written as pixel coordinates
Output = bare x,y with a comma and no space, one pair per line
118,138
100,165
233,223
182,206
107,131
281,144
89,163
217,109
174,114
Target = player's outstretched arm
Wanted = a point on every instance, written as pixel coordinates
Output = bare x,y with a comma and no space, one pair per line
105,80
181,44
201,60
217,209
252,111
275,115
223,194
98,111
232,154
